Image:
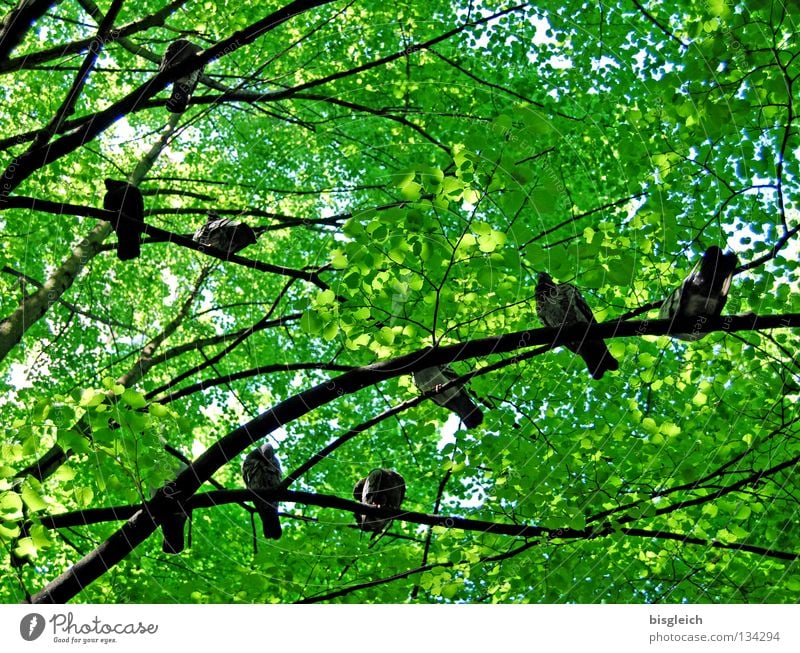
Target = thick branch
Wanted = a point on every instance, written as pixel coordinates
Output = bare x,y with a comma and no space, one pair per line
35,305
17,23
66,49
59,590
24,166
140,526
161,235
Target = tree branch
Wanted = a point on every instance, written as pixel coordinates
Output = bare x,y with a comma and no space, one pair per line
63,588
141,525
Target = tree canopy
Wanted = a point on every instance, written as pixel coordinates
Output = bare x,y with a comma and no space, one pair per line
407,169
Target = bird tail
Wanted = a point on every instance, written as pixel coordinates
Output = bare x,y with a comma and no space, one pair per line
465,408
179,99
598,359
374,524
172,529
716,269
268,512
129,248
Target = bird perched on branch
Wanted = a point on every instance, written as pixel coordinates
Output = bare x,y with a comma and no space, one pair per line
262,471
172,522
455,398
225,234
126,201
384,488
703,293
172,529
562,304
183,87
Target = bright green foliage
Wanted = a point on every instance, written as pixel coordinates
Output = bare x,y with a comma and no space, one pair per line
423,186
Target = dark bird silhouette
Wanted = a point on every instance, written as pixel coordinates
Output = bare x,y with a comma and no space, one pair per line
126,201
262,471
173,521
455,398
225,234
562,304
172,529
703,293
383,488
177,52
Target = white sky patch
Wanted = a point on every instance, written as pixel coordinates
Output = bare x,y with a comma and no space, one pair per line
176,156
123,131
121,134
278,435
171,281
449,429
448,436
542,27
212,412
198,448
559,63
605,62
18,374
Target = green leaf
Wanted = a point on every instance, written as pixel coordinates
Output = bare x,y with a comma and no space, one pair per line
32,498
10,505
311,322
134,399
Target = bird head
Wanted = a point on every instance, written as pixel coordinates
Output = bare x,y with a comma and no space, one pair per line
714,253
544,284
266,451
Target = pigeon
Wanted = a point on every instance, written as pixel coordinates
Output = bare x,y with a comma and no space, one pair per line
172,529
562,304
262,471
225,234
455,398
383,488
173,523
177,52
126,201
703,293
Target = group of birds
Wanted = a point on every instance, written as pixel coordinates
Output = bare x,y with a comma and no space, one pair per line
261,471
701,296
126,202
125,199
